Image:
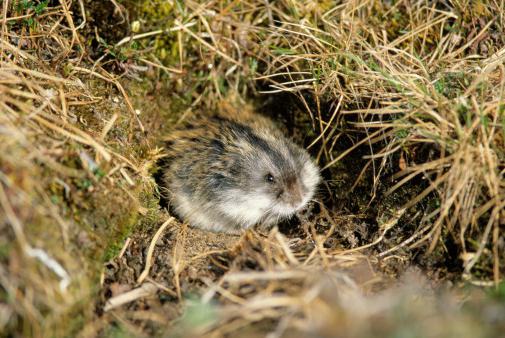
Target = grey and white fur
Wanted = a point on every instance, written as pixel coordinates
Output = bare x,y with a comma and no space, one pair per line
231,172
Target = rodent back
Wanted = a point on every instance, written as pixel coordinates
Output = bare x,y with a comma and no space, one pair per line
225,153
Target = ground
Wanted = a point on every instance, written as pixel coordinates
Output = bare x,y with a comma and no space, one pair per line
399,102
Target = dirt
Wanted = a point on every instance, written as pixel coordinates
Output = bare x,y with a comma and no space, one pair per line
186,261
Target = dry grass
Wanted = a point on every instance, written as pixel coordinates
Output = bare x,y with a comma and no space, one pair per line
57,165
425,96
403,102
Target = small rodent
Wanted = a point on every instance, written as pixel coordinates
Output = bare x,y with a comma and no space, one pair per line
234,170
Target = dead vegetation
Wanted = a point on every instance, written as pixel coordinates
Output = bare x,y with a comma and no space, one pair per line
401,102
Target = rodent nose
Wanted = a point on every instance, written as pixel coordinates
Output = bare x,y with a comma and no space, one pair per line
295,197
294,194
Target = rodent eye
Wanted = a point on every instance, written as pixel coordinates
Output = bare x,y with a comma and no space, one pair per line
269,178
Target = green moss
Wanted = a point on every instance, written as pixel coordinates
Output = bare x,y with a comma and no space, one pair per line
118,331
498,292
197,313
5,250
117,236
153,15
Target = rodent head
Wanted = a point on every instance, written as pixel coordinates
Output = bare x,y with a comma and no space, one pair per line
288,178
272,178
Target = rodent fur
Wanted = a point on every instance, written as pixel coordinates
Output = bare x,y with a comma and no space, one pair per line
234,169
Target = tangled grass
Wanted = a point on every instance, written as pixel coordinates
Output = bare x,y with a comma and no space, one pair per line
405,98
420,85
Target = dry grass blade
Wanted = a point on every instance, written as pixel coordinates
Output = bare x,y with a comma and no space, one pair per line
150,251
145,290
